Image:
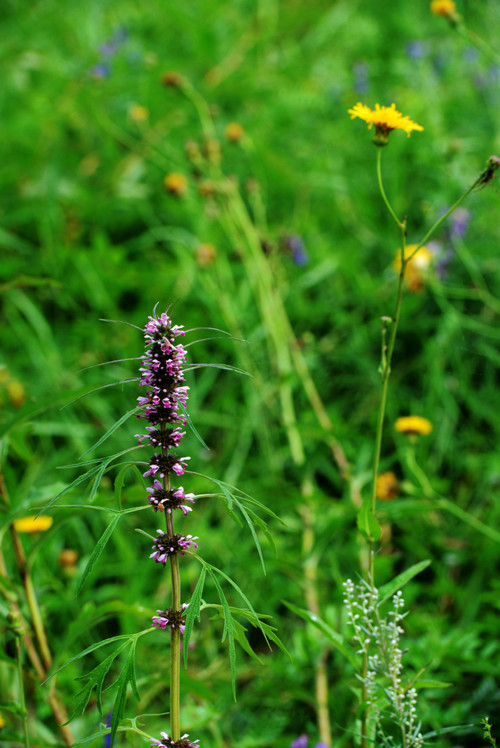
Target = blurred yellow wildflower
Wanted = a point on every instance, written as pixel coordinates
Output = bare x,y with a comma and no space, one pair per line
32,524
2,722
234,132
206,255
385,119
387,487
176,184
16,393
138,113
413,426
445,8
67,557
416,268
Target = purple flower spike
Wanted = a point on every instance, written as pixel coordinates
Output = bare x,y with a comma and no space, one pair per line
167,742
300,742
172,619
165,547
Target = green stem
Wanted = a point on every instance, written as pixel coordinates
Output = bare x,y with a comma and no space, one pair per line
175,634
476,40
21,691
400,224
444,217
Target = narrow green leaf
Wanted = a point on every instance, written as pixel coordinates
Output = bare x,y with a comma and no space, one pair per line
367,523
92,648
228,629
335,638
389,589
193,611
120,480
252,530
99,547
113,428
95,679
126,676
240,592
239,633
429,683
76,482
194,430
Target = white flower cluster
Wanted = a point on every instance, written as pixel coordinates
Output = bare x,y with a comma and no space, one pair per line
378,640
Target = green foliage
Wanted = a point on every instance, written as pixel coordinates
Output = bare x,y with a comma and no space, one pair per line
88,233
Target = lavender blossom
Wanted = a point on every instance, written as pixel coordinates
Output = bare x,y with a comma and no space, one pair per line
164,464
167,742
165,500
164,547
174,619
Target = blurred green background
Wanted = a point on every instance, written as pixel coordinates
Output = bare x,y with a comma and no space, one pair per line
92,126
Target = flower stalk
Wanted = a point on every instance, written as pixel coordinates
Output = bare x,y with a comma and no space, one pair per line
164,406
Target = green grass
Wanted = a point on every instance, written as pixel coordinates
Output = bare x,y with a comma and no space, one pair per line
88,233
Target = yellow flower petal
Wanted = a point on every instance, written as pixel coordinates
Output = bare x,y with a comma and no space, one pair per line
33,524
446,8
413,425
385,119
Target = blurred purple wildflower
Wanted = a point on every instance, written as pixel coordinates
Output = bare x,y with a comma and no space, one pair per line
361,82
111,46
107,738
107,50
460,220
417,49
295,245
167,742
302,743
101,70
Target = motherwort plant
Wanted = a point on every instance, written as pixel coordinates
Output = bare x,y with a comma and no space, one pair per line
163,405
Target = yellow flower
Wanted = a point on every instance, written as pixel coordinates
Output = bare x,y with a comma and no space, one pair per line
413,426
15,391
385,119
33,524
234,132
206,254
138,113
176,184
416,268
387,487
2,722
445,8
67,558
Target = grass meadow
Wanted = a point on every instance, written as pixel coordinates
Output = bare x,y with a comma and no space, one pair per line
200,157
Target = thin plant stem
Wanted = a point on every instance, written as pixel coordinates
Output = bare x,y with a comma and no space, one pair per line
382,190
479,43
175,634
21,690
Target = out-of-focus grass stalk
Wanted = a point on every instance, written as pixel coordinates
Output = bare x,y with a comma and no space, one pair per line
22,698
56,705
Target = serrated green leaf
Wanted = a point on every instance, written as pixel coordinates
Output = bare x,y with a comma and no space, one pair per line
367,523
92,648
193,611
239,633
126,676
228,630
335,638
99,547
389,589
95,679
